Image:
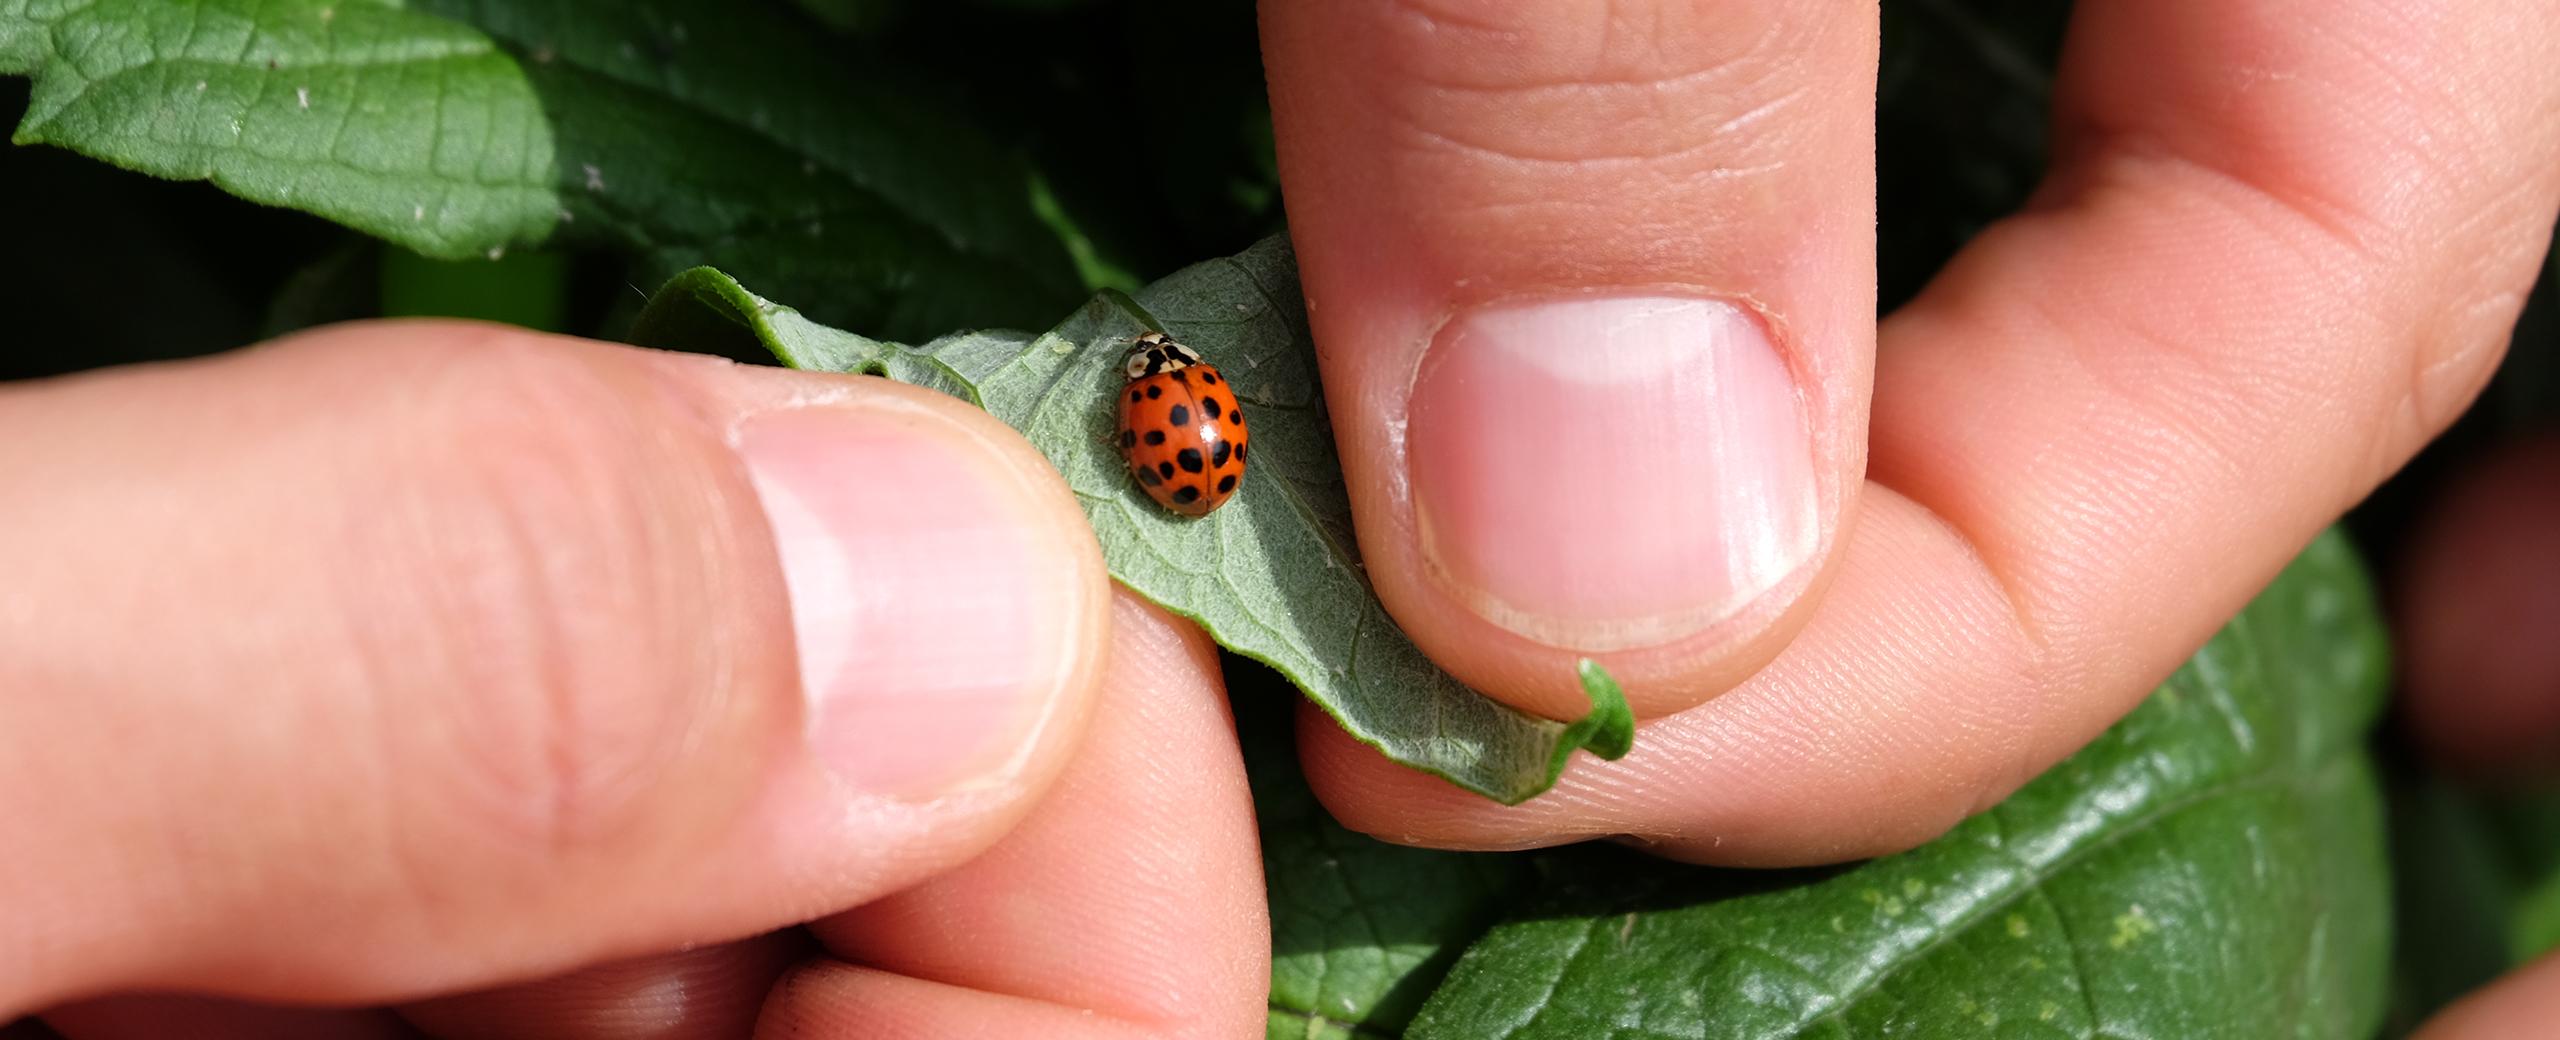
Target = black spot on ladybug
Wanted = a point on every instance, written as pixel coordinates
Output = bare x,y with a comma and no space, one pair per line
1155,436
1209,406
1134,396
1149,478
1218,457
1181,376
1154,392
1240,453
1210,378
1226,483
1165,470
1180,416
1128,438
1236,415
1186,494
1190,460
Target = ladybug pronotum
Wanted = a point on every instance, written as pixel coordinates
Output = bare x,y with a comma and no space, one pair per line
1180,427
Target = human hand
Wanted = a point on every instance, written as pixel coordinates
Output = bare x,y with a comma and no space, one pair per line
2245,240
401,660
1593,286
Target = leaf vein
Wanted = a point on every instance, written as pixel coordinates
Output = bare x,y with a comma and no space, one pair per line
1971,915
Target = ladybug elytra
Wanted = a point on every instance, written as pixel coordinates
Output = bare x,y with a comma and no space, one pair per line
1180,427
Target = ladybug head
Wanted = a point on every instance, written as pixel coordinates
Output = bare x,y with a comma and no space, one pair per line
1155,353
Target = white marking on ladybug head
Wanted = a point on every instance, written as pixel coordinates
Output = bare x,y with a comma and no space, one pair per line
1156,352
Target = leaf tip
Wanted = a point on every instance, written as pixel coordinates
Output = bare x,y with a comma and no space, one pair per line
701,309
1612,723
1608,730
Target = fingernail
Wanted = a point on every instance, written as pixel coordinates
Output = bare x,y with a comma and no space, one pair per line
1609,472
916,595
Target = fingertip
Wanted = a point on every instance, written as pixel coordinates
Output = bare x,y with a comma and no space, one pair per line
947,600
1655,501
1625,495
1589,402
603,651
951,616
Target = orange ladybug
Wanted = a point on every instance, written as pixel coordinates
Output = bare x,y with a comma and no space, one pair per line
1180,427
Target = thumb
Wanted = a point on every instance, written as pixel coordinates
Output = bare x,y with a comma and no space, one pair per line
402,658
1594,284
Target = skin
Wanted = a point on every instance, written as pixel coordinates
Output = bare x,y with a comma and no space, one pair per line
470,774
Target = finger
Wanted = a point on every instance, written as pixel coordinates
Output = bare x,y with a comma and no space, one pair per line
1821,757
410,658
2283,247
1593,286
2524,1003
1130,905
707,993
206,1018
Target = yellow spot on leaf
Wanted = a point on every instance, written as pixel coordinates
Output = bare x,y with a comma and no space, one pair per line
2131,926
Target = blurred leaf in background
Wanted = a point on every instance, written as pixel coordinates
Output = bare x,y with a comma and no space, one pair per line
2478,885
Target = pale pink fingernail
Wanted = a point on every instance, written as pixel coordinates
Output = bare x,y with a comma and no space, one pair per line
1607,472
916,595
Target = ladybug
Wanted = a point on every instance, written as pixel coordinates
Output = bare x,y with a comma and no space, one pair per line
1180,427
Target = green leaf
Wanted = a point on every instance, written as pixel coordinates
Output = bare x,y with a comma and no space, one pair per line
2537,923
667,131
2477,874
1274,575
394,122
2211,867
1361,931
